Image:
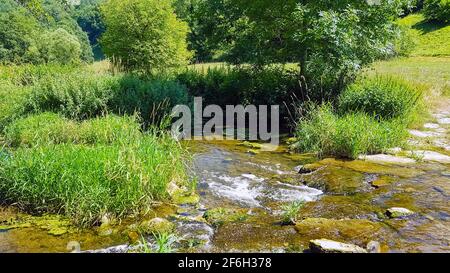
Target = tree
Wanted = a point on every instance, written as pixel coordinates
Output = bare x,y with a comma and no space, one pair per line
59,46
24,24
213,25
437,10
331,40
88,16
18,34
145,35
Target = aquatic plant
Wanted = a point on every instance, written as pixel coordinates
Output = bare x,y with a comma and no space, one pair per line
290,212
165,242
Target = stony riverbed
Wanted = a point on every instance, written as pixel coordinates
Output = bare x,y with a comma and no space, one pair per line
242,190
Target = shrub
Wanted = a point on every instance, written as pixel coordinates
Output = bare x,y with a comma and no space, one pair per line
51,128
88,182
74,95
382,97
151,98
144,35
438,10
348,136
405,42
243,85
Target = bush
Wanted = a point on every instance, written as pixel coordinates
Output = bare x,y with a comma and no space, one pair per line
347,136
244,85
144,35
51,128
152,99
382,97
88,182
74,95
405,42
437,10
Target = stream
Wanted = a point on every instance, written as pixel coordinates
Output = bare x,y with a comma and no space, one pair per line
342,200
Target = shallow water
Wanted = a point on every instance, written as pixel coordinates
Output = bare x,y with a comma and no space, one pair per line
340,204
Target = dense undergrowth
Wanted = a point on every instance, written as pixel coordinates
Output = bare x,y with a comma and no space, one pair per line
370,117
87,145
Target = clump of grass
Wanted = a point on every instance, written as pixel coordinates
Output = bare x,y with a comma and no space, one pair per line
328,134
291,212
165,242
52,128
87,182
382,97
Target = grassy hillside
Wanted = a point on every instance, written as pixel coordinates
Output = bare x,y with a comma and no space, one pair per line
431,39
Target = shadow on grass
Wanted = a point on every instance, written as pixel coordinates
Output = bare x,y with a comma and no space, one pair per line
429,26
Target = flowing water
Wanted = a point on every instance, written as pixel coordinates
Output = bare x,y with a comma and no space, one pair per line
343,200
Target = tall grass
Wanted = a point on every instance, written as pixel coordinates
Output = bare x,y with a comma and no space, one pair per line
350,135
381,96
12,102
87,182
75,95
51,128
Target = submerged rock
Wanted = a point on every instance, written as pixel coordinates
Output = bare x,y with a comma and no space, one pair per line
398,212
251,145
382,181
219,216
424,134
156,225
382,158
352,230
329,246
394,151
304,169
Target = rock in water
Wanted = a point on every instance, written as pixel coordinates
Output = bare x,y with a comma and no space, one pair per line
329,246
156,225
374,247
398,212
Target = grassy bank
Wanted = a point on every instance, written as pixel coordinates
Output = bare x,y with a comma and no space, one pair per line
63,153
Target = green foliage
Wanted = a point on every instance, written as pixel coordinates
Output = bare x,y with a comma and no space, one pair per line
245,85
290,212
382,97
427,73
348,136
51,128
12,102
33,33
87,182
165,242
438,10
144,35
212,24
59,46
331,40
152,99
89,19
405,42
75,95
18,38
